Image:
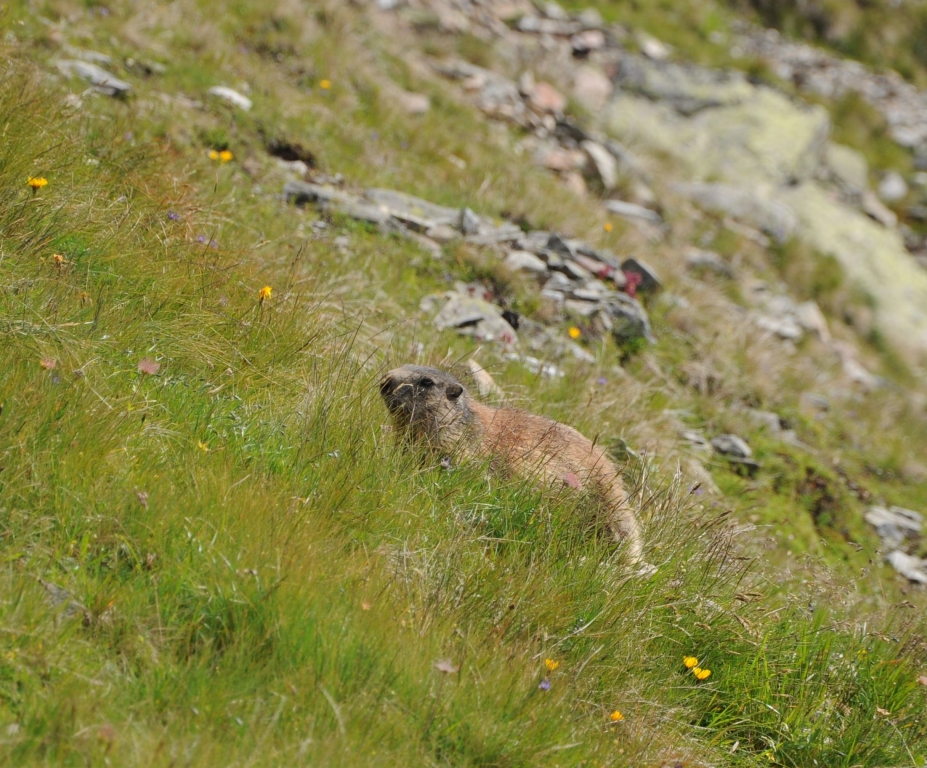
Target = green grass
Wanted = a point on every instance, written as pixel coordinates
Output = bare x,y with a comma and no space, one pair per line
264,577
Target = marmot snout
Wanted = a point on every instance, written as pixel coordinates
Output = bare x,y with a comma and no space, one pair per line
432,407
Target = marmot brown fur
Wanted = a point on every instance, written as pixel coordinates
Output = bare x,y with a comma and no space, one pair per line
432,408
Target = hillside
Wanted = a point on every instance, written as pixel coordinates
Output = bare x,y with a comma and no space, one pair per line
700,242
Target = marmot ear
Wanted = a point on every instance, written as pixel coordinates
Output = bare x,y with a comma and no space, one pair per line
454,391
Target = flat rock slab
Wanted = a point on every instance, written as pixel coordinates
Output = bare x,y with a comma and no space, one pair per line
895,524
101,80
912,568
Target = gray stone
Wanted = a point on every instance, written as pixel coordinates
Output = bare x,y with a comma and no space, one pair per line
895,525
605,164
334,200
848,168
574,270
232,97
893,187
559,245
587,41
442,233
877,210
473,316
912,568
694,438
525,261
685,87
412,211
771,216
590,18
633,211
628,320
649,281
580,308
101,80
469,222
651,47
767,419
591,87
708,261
731,445
873,257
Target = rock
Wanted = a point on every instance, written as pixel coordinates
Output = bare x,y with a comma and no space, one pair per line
698,260
575,183
731,446
232,97
873,257
627,320
580,308
633,211
912,568
893,187
694,438
895,525
591,87
809,316
649,282
651,47
553,11
101,80
334,200
877,210
543,98
559,245
773,217
815,403
442,233
412,103
60,599
783,327
590,18
685,87
412,211
523,261
606,166
766,419
468,222
848,168
764,137
559,159
583,43
473,316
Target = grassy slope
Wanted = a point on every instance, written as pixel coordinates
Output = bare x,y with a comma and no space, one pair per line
266,580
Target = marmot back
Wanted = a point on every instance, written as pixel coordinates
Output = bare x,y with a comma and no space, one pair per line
433,408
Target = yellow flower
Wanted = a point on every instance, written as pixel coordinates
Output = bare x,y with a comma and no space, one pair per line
574,332
58,259
608,226
213,154
265,293
551,664
225,155
325,84
36,182
202,446
690,661
616,716
701,674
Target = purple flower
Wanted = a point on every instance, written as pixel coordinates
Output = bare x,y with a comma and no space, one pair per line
374,135
201,239
601,381
173,216
214,245
545,684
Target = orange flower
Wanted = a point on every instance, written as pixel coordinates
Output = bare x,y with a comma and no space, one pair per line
225,155
36,182
701,674
608,226
574,332
265,293
690,661
325,84
551,664
616,716
213,154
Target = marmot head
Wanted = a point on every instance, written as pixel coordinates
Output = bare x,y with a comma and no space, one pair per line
427,402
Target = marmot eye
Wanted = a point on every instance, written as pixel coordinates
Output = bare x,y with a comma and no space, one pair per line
426,383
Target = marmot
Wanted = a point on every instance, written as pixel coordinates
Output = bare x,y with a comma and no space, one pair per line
431,407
